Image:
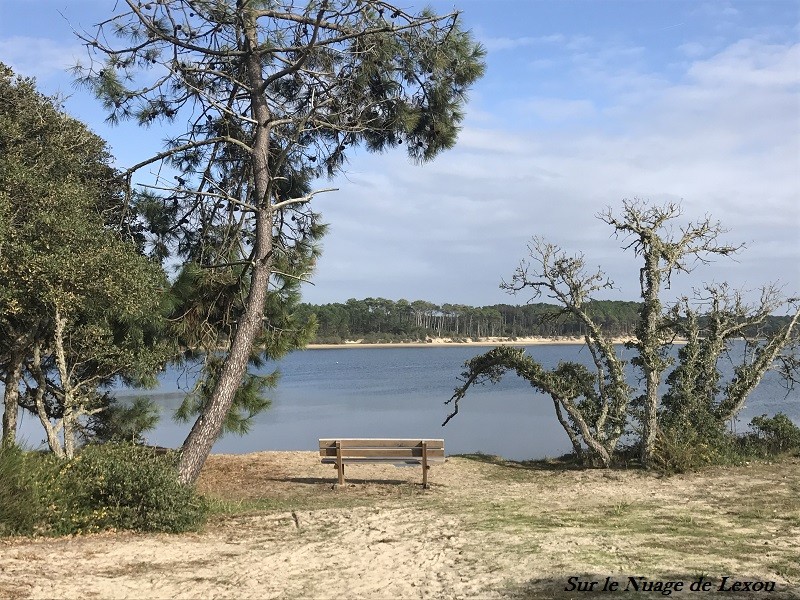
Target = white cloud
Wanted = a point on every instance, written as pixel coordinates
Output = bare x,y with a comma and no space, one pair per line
38,57
490,141
560,109
716,9
724,139
692,49
572,43
724,136
750,63
497,44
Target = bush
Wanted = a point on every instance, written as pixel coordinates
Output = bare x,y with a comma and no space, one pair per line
108,486
123,486
774,435
682,449
689,446
23,478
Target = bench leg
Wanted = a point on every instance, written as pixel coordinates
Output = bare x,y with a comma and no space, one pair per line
339,462
425,466
340,471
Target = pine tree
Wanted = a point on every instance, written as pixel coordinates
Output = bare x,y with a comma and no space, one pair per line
274,95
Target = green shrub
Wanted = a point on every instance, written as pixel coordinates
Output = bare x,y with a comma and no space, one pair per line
774,435
682,449
109,486
23,489
122,486
684,446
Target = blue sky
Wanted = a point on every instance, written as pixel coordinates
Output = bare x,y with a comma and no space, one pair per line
583,104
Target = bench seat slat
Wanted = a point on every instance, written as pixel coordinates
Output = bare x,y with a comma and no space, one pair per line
381,452
435,444
389,461
386,458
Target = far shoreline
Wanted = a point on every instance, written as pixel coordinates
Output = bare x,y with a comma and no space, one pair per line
448,342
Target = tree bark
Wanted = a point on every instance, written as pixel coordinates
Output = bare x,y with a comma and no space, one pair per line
69,419
11,397
751,376
41,388
650,418
208,426
649,346
596,450
573,437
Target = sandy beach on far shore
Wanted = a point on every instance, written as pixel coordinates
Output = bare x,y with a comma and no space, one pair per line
446,342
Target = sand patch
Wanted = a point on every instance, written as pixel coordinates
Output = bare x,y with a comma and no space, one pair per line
484,530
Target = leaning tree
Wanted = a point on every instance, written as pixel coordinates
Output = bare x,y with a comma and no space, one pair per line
599,403
262,97
591,405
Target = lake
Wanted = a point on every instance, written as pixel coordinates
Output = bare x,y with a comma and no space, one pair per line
400,392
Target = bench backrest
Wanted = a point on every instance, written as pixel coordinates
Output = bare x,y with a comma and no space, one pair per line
383,449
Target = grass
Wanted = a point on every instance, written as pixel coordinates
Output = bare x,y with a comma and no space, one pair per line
509,517
722,524
783,507
789,568
227,506
521,470
619,509
723,527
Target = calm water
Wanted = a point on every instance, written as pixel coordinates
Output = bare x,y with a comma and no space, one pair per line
400,392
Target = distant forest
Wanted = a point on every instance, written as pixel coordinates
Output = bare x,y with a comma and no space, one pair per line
376,320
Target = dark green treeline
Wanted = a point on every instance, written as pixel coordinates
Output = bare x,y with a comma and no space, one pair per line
381,320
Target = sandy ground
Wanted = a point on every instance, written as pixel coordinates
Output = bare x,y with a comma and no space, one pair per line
484,530
488,341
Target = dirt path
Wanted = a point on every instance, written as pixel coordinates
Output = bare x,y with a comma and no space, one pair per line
485,530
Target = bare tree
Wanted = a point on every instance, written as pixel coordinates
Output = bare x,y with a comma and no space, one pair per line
273,95
665,250
595,403
599,405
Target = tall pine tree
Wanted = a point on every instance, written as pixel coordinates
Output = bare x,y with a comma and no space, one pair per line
273,95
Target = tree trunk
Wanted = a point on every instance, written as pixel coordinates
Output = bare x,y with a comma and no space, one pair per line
596,451
649,346
11,397
69,419
41,387
650,418
573,437
208,426
750,376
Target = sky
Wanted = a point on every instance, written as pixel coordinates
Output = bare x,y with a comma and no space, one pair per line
584,104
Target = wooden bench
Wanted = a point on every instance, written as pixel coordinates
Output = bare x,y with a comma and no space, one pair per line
395,451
